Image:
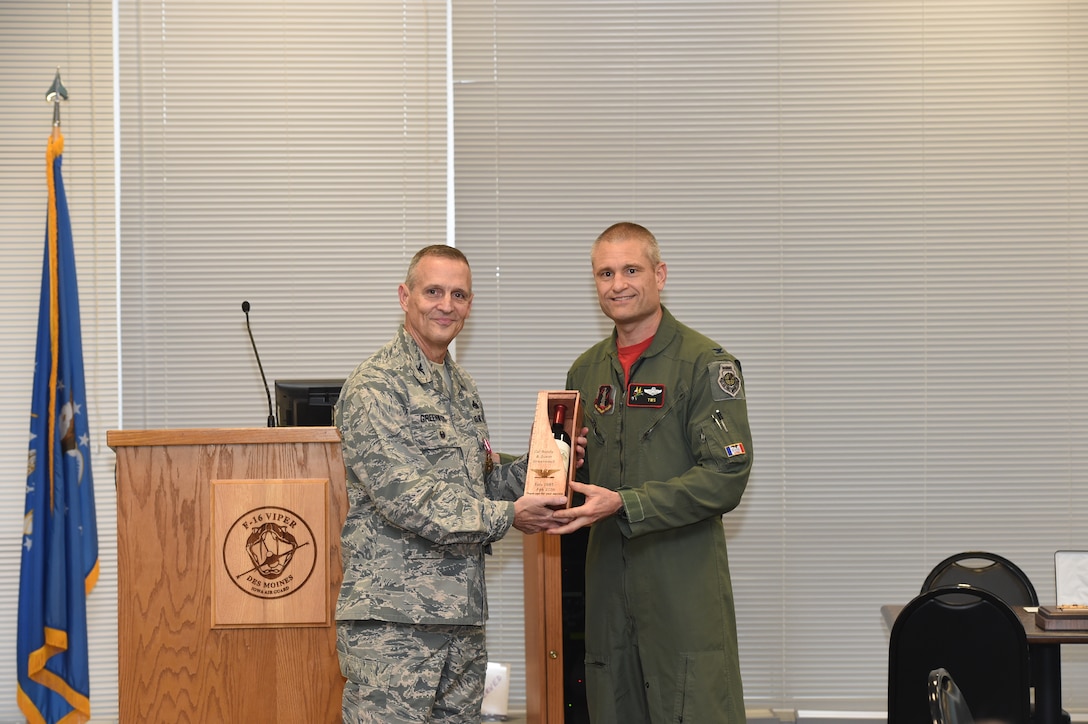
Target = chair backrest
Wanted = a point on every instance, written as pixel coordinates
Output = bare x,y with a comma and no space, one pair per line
946,702
974,635
987,571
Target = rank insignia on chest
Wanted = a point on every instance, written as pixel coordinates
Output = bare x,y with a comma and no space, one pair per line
726,384
643,395
605,399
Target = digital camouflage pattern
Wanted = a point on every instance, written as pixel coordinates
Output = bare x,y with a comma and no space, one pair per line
392,678
423,511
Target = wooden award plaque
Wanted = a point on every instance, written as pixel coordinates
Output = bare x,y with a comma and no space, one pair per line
547,473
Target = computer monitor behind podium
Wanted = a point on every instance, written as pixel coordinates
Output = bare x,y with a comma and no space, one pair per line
306,403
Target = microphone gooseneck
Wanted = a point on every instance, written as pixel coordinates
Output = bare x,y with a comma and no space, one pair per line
267,391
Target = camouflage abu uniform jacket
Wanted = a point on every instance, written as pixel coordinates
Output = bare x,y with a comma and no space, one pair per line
422,511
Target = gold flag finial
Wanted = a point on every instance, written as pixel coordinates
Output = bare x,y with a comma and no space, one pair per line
56,93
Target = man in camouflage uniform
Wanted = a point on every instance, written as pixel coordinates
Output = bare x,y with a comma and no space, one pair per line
426,499
668,452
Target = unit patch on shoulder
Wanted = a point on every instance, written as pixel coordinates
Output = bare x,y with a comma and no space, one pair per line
725,382
644,395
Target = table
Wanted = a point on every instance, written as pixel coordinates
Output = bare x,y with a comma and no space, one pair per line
1045,646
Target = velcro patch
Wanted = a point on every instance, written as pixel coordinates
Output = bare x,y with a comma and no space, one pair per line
604,401
725,382
640,394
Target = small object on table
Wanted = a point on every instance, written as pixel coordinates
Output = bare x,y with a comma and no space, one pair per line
1069,617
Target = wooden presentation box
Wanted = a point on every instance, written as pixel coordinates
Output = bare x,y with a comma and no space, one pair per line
546,474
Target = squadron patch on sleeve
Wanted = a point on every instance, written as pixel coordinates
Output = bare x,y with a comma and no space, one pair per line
725,381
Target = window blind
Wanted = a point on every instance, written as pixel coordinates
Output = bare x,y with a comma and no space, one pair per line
289,155
877,208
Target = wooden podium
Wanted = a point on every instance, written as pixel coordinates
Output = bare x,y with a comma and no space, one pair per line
228,568
544,663
554,566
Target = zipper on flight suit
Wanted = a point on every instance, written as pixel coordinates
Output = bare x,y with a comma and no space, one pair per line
667,412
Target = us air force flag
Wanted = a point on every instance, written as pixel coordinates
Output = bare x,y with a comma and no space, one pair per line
60,536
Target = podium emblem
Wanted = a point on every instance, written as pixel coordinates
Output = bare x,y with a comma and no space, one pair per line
269,552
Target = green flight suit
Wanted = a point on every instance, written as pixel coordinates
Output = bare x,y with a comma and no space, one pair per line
661,643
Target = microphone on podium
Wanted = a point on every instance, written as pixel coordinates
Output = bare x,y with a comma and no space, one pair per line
271,414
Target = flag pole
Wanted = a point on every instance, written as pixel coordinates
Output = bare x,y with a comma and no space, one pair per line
56,93
60,563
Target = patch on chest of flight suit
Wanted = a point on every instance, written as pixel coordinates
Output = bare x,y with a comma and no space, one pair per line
605,401
640,394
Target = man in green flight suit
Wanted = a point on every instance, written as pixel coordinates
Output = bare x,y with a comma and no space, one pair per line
669,452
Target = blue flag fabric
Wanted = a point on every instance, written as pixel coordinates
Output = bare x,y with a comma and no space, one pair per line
60,534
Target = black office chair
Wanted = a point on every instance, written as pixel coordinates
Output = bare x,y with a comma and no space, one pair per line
971,632
987,571
946,702
992,573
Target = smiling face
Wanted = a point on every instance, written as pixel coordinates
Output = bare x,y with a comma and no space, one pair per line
629,285
436,299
